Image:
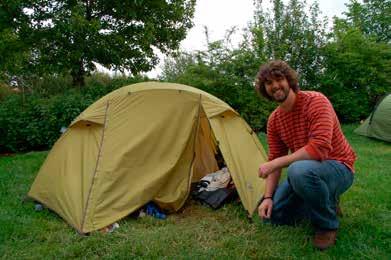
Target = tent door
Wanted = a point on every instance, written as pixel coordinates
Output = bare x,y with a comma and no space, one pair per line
205,150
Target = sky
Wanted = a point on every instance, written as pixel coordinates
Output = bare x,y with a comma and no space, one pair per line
221,15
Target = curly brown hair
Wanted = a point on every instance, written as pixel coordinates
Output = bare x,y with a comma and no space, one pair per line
275,69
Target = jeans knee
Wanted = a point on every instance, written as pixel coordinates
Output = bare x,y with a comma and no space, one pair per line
300,174
295,172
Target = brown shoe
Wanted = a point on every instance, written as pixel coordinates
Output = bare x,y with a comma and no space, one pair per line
323,239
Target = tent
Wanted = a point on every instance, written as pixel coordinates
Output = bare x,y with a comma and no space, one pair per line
378,124
145,142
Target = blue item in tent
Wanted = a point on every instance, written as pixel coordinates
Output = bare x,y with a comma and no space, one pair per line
38,207
153,210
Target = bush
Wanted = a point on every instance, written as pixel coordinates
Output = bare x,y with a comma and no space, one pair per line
47,85
33,122
356,74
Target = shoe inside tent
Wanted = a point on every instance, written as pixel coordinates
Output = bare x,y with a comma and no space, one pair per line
145,142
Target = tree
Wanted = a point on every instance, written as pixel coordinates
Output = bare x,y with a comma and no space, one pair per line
225,72
356,73
372,18
68,36
13,51
287,32
358,59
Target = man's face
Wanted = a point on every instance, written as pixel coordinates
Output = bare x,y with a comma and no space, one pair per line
278,89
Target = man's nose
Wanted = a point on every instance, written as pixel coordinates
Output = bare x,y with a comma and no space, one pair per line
274,85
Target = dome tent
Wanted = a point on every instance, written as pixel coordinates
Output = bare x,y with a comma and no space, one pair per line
378,124
145,142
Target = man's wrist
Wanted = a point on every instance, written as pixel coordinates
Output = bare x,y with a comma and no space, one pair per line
280,162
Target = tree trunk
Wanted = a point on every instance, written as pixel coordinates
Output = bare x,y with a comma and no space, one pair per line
78,76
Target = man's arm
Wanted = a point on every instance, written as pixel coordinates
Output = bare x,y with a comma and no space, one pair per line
277,164
321,117
265,208
271,183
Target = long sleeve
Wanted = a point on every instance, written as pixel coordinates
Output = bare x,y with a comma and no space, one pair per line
277,147
321,118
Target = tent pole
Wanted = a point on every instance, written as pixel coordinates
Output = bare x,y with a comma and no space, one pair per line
194,144
96,166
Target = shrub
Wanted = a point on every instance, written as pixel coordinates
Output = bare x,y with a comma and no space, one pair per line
33,121
34,124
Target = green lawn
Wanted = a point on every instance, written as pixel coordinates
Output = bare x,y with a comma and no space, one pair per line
197,231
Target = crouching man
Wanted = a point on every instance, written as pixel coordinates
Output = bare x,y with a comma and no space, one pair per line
320,163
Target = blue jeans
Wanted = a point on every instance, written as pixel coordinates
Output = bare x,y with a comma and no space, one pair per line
311,191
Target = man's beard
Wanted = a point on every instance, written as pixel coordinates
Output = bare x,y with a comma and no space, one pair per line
281,98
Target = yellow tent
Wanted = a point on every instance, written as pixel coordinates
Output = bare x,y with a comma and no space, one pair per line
145,142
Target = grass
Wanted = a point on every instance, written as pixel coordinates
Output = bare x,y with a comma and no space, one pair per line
197,231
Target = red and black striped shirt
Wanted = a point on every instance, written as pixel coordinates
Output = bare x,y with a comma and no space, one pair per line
312,124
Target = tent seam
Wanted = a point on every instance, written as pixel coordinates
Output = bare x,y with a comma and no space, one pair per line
96,166
194,145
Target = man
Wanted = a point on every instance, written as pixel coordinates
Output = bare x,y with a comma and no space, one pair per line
320,160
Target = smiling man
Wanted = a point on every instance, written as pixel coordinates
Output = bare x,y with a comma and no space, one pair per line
320,162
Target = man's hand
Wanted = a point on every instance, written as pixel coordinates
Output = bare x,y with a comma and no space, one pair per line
265,209
267,168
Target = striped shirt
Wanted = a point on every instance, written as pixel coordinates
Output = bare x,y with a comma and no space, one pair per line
312,124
